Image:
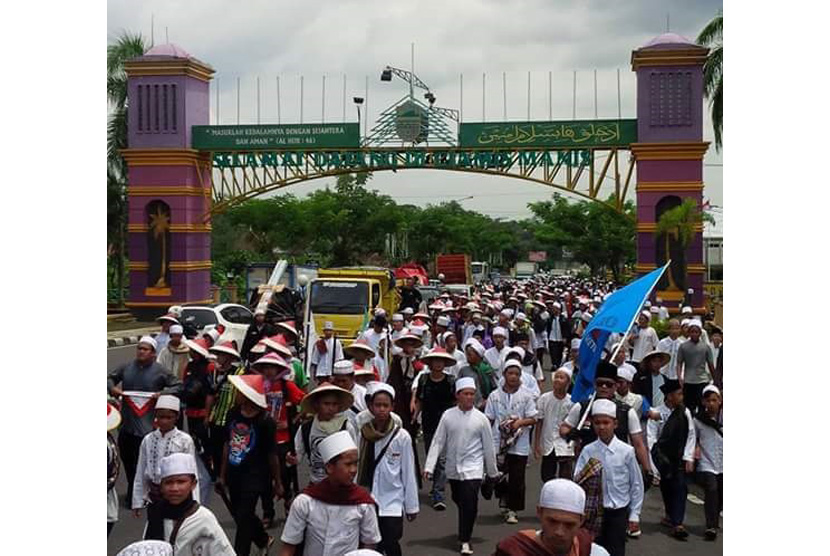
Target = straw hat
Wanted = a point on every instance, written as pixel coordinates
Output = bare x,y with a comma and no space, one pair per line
664,358
408,335
271,359
278,344
345,398
439,353
359,345
288,326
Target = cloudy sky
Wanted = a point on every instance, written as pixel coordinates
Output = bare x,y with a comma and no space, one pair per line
357,38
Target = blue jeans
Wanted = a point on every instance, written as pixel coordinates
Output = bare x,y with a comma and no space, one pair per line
439,478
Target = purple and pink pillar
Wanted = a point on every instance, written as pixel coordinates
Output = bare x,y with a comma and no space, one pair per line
168,92
669,151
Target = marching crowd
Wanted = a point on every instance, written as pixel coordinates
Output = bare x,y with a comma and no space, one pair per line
465,376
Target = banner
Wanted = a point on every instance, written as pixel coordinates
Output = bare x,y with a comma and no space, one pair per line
564,134
616,314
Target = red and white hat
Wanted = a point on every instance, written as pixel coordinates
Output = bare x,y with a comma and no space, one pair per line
199,345
169,317
225,347
278,344
288,326
113,417
252,387
271,359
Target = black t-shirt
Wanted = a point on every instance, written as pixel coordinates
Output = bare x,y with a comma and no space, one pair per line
435,398
250,443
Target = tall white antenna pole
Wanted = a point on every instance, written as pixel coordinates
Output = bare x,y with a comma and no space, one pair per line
302,96
619,96
366,113
258,119
550,95
528,96
152,30
166,36
238,86
323,111
279,112
574,111
595,95
217,100
483,97
504,92
344,98
461,97
412,69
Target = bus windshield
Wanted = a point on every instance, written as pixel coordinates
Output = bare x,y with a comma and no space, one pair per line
340,298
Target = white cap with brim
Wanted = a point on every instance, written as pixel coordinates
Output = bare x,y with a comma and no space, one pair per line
328,325
178,464
166,401
464,383
604,407
335,444
149,341
147,548
564,495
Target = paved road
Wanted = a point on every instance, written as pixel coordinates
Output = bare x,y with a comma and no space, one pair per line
434,533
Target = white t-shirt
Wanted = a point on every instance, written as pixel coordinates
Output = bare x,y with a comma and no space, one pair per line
553,412
328,529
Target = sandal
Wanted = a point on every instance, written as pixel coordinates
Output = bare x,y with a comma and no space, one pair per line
680,533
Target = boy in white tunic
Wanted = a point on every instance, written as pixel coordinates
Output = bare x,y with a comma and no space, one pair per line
556,453
162,442
512,411
622,481
709,428
465,436
387,468
335,515
191,528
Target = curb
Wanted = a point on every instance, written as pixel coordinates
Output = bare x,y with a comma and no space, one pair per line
126,340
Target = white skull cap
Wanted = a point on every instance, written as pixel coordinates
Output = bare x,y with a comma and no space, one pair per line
562,494
335,444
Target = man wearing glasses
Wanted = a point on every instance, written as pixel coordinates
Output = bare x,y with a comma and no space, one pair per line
139,383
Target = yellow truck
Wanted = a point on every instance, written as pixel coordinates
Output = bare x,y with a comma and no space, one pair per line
348,297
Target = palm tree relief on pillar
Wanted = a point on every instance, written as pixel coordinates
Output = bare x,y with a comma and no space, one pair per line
158,248
677,224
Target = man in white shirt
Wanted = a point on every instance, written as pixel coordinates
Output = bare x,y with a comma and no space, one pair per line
671,441
556,453
558,331
335,515
622,481
512,411
670,344
644,340
495,355
464,434
344,378
325,352
709,428
387,468
662,312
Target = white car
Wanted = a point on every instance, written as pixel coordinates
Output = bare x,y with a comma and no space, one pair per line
234,318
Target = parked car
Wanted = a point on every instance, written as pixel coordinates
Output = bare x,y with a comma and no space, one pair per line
234,318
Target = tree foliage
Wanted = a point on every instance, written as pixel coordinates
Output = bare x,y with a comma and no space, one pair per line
712,37
680,222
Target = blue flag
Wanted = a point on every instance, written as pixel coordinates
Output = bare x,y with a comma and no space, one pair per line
616,314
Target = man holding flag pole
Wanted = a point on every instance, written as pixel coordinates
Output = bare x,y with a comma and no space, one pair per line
597,378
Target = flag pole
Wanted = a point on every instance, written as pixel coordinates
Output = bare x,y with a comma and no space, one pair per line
633,320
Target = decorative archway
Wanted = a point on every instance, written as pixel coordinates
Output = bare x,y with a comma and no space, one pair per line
170,90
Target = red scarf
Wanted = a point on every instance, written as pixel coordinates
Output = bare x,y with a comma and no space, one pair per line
339,495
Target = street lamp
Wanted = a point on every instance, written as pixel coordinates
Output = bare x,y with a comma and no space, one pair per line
357,102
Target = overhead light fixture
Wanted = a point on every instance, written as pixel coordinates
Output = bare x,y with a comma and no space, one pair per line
386,74
430,97
358,100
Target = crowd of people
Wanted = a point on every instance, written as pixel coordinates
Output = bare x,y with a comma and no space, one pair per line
482,380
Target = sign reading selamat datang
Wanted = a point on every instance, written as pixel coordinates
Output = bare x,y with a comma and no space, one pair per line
275,137
575,133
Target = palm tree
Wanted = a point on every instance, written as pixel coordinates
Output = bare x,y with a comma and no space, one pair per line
712,37
679,224
125,47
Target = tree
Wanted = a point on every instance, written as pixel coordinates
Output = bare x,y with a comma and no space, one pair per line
594,232
680,223
125,47
712,36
